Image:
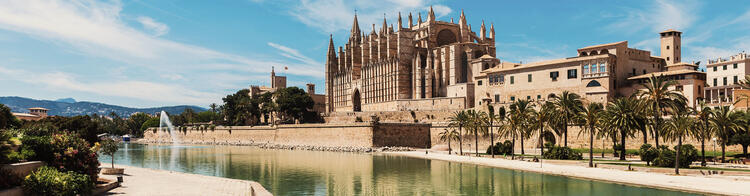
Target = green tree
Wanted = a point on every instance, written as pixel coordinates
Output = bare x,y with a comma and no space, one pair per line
477,124
659,96
703,130
293,102
448,135
568,104
521,112
151,122
240,109
7,120
459,119
678,127
725,122
541,120
590,118
623,114
135,123
109,147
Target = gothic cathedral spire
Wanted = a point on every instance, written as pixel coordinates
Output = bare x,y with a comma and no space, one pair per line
355,32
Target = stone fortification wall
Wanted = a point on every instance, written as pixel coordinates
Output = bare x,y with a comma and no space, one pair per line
431,104
320,135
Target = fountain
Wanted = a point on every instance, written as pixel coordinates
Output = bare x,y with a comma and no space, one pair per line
164,122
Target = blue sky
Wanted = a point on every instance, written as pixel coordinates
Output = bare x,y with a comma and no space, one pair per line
153,53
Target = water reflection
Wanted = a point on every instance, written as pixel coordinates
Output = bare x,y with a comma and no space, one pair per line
288,172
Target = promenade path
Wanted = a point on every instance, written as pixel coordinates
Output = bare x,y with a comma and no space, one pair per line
143,181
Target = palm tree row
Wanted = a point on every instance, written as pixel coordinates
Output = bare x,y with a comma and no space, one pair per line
659,109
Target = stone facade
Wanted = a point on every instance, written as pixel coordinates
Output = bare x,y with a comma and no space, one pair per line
723,75
320,135
426,60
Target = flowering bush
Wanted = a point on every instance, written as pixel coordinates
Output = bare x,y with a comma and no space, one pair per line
49,181
65,152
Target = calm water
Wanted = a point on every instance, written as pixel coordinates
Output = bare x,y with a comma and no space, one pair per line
287,172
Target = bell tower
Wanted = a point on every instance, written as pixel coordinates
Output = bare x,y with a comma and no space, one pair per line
670,46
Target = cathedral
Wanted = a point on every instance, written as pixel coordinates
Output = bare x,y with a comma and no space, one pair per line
427,65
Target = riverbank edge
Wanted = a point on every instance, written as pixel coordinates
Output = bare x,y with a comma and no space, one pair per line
730,186
256,188
289,147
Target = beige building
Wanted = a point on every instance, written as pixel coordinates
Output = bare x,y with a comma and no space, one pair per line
599,73
35,113
427,65
723,75
279,82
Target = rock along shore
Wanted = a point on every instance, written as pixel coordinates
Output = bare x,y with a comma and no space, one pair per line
290,147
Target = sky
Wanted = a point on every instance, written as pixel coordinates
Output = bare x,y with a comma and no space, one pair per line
142,53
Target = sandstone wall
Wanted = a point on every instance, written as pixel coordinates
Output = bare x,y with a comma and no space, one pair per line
323,135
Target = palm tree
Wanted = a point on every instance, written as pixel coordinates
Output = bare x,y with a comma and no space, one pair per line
477,123
590,117
448,135
703,131
624,117
658,97
459,119
521,110
607,130
725,122
568,104
500,117
679,126
541,121
213,107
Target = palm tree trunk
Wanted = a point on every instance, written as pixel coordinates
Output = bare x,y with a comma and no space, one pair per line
513,149
521,145
492,140
622,142
703,152
476,140
460,142
723,147
565,133
591,147
541,140
645,135
677,157
449,144
657,128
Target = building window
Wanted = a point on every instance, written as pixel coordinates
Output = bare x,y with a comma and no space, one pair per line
714,68
585,69
512,79
602,68
714,81
554,75
538,97
725,81
529,78
528,97
679,88
644,71
735,65
735,79
572,73
479,83
667,47
724,67
512,98
593,68
593,83
667,58
497,97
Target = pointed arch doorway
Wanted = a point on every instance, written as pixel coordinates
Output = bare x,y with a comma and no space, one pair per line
356,101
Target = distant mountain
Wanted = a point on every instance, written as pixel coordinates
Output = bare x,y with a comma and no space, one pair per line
69,107
66,100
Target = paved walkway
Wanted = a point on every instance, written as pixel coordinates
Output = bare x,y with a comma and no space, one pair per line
142,181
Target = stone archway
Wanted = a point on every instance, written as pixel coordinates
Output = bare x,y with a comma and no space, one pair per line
356,101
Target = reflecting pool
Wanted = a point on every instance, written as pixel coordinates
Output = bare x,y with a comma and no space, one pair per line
290,172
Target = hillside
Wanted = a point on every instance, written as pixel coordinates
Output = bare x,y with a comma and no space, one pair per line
69,107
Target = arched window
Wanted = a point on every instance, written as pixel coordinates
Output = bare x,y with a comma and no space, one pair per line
583,54
445,37
593,53
605,51
593,83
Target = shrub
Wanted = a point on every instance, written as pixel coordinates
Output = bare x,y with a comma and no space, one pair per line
66,152
648,153
666,157
564,153
504,148
49,181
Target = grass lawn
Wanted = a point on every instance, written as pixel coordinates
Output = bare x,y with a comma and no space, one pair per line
700,168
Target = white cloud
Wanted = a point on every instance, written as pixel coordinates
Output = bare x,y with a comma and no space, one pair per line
172,76
336,15
661,15
134,89
150,24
